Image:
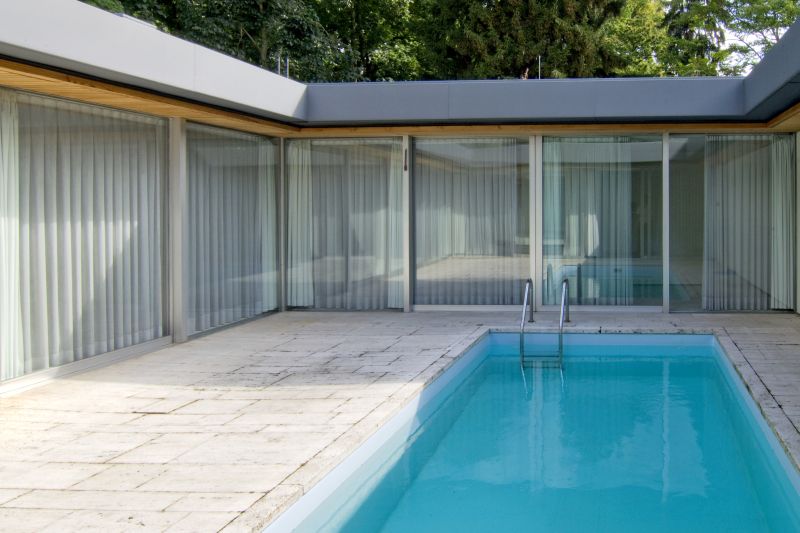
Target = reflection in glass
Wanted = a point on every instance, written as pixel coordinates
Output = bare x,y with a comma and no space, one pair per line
232,231
471,220
602,220
344,208
732,229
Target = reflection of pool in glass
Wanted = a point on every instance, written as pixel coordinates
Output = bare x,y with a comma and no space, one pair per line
595,282
643,433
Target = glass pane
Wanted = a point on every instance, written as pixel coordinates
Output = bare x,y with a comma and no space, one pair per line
85,222
345,232
732,204
471,206
232,231
602,220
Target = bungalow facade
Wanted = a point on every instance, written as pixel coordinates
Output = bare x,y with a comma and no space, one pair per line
152,190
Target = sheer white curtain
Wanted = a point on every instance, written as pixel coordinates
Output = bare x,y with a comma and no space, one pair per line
782,238
12,357
471,241
300,282
587,219
81,231
748,253
345,224
232,227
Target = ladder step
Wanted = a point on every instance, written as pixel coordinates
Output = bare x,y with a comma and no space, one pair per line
542,361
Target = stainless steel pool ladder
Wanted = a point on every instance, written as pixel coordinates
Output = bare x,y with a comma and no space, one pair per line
527,305
564,317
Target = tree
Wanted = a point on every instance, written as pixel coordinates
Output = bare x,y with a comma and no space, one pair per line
256,31
263,32
696,31
369,40
639,38
505,39
374,34
115,6
757,25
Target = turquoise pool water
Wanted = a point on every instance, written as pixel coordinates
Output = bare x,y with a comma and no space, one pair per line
638,433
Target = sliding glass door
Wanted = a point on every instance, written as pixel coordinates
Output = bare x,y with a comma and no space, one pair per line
471,211
732,222
344,226
602,219
233,227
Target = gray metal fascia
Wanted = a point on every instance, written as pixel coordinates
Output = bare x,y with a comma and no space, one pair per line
74,36
774,84
509,101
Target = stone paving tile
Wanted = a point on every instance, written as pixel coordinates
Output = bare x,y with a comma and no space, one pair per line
117,521
202,521
99,500
216,502
164,449
227,430
121,477
216,478
7,495
30,475
29,520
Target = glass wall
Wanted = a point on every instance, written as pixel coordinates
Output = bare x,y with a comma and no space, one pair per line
233,227
345,232
81,231
732,222
471,210
602,207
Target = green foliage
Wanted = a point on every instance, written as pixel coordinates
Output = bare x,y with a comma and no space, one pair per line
639,38
369,40
115,6
696,35
756,26
506,38
374,34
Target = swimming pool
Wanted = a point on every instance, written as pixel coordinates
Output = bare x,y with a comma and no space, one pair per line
634,433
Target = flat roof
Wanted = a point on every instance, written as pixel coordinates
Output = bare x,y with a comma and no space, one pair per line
126,51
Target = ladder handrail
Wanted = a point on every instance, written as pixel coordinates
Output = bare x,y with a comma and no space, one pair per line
526,304
564,315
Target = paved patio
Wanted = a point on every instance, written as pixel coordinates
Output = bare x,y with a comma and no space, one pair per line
226,431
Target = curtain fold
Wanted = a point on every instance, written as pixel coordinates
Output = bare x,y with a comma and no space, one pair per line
394,239
345,224
748,252
782,283
587,220
300,287
232,236
471,248
268,216
89,230
12,357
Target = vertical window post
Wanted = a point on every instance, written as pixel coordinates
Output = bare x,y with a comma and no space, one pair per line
532,162
282,202
665,221
797,220
178,226
537,168
408,267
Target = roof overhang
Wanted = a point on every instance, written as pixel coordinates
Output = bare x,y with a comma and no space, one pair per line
72,37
